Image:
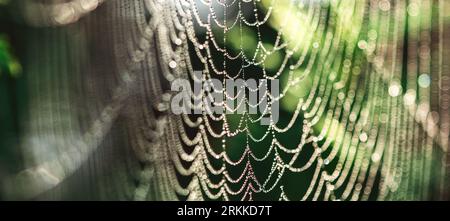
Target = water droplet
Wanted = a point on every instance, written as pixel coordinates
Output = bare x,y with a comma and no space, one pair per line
363,137
315,45
394,89
362,44
170,77
178,41
424,80
410,97
172,64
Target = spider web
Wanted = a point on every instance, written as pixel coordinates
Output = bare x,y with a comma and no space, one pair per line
363,100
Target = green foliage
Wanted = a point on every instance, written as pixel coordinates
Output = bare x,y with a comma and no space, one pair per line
8,63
